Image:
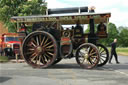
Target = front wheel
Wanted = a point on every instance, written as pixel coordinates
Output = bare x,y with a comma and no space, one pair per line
87,56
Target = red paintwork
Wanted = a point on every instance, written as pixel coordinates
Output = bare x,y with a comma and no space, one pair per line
65,39
14,42
4,44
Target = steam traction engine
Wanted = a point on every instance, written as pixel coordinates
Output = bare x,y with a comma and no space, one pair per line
49,42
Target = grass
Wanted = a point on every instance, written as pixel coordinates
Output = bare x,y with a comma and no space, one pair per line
3,59
121,51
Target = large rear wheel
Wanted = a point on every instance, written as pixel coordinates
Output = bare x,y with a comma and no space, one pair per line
87,56
39,49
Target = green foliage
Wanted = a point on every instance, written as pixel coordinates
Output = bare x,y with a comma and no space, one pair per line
120,33
112,33
88,29
123,37
31,8
11,27
9,8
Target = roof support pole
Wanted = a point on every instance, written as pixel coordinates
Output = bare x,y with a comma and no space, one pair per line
92,36
17,26
91,23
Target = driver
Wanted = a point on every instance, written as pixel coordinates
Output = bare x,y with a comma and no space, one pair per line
23,27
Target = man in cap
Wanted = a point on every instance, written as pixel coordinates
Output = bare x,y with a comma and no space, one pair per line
113,51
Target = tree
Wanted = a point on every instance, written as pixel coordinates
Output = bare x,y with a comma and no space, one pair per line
112,34
123,37
88,29
9,8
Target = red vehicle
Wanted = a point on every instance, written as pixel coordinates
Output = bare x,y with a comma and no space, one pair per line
9,44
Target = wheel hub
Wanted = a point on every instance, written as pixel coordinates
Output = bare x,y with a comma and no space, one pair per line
86,56
39,50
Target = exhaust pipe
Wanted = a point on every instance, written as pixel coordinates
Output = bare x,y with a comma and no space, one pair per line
67,10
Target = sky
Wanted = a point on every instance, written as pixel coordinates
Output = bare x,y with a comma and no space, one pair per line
118,8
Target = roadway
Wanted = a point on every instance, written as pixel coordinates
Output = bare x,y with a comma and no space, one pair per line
67,72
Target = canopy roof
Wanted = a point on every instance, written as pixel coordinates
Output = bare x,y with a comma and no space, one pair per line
65,19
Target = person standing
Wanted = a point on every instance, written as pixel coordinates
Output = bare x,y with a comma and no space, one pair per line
23,27
113,51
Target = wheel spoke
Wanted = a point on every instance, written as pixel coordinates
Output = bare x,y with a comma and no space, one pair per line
47,56
50,46
103,56
33,40
91,50
92,54
47,44
31,49
89,61
102,59
39,59
50,53
45,41
102,51
42,41
93,59
29,53
36,59
29,45
50,50
33,44
37,40
43,59
34,54
32,59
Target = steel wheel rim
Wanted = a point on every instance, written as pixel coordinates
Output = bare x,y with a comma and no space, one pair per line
39,49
